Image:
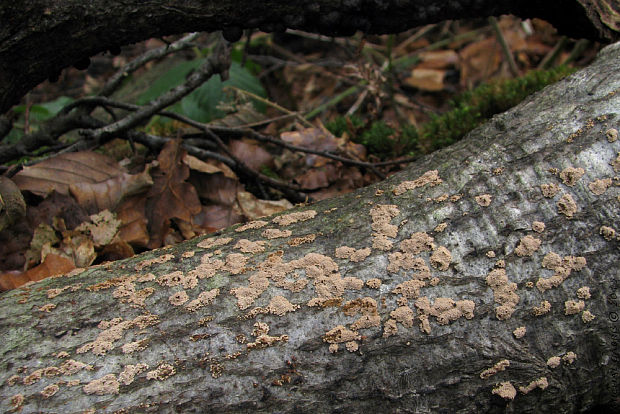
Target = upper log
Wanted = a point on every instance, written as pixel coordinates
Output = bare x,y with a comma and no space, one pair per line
38,38
484,278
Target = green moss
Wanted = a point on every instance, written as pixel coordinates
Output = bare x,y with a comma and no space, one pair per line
469,110
473,108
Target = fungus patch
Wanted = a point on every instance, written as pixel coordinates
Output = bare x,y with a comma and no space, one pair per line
296,241
114,330
616,163
567,206
17,401
178,298
549,190
587,316
428,178
538,226
572,307
505,390
584,292
541,383
129,373
569,357
278,305
498,367
544,308
50,390
235,263
203,299
483,200
598,187
135,346
446,310
162,372
354,255
288,219
441,258
562,268
373,283
275,233
262,339
340,334
611,134
607,232
527,246
47,307
157,260
519,332
503,293
570,175
440,227
382,229
105,385
256,224
247,246
554,362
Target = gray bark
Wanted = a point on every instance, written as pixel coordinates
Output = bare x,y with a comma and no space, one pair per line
205,359
38,38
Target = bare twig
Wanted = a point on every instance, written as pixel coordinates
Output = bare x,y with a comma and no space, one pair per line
115,81
505,48
218,62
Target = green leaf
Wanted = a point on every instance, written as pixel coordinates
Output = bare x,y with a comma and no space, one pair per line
201,105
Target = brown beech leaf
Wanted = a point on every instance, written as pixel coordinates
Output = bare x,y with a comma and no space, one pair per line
57,173
251,153
427,79
209,167
216,188
170,196
107,195
479,60
51,266
102,229
134,228
216,217
253,208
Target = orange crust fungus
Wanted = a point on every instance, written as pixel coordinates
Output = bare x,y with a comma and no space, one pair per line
498,367
567,206
483,200
257,224
288,219
345,252
104,385
541,383
382,229
162,372
505,390
519,332
428,178
503,293
598,187
570,175
549,190
527,246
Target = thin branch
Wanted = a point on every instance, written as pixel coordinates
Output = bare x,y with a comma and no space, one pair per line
217,62
505,48
115,81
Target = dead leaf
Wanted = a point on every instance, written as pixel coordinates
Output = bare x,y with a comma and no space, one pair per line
57,173
210,167
253,208
251,153
43,235
170,196
51,266
216,217
438,59
134,222
479,61
108,194
103,228
427,79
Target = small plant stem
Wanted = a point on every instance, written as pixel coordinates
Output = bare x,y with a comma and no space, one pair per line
505,48
548,60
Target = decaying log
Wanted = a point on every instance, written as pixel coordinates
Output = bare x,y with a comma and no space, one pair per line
482,279
38,38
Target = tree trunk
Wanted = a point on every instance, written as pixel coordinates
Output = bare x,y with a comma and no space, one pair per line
38,38
482,279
